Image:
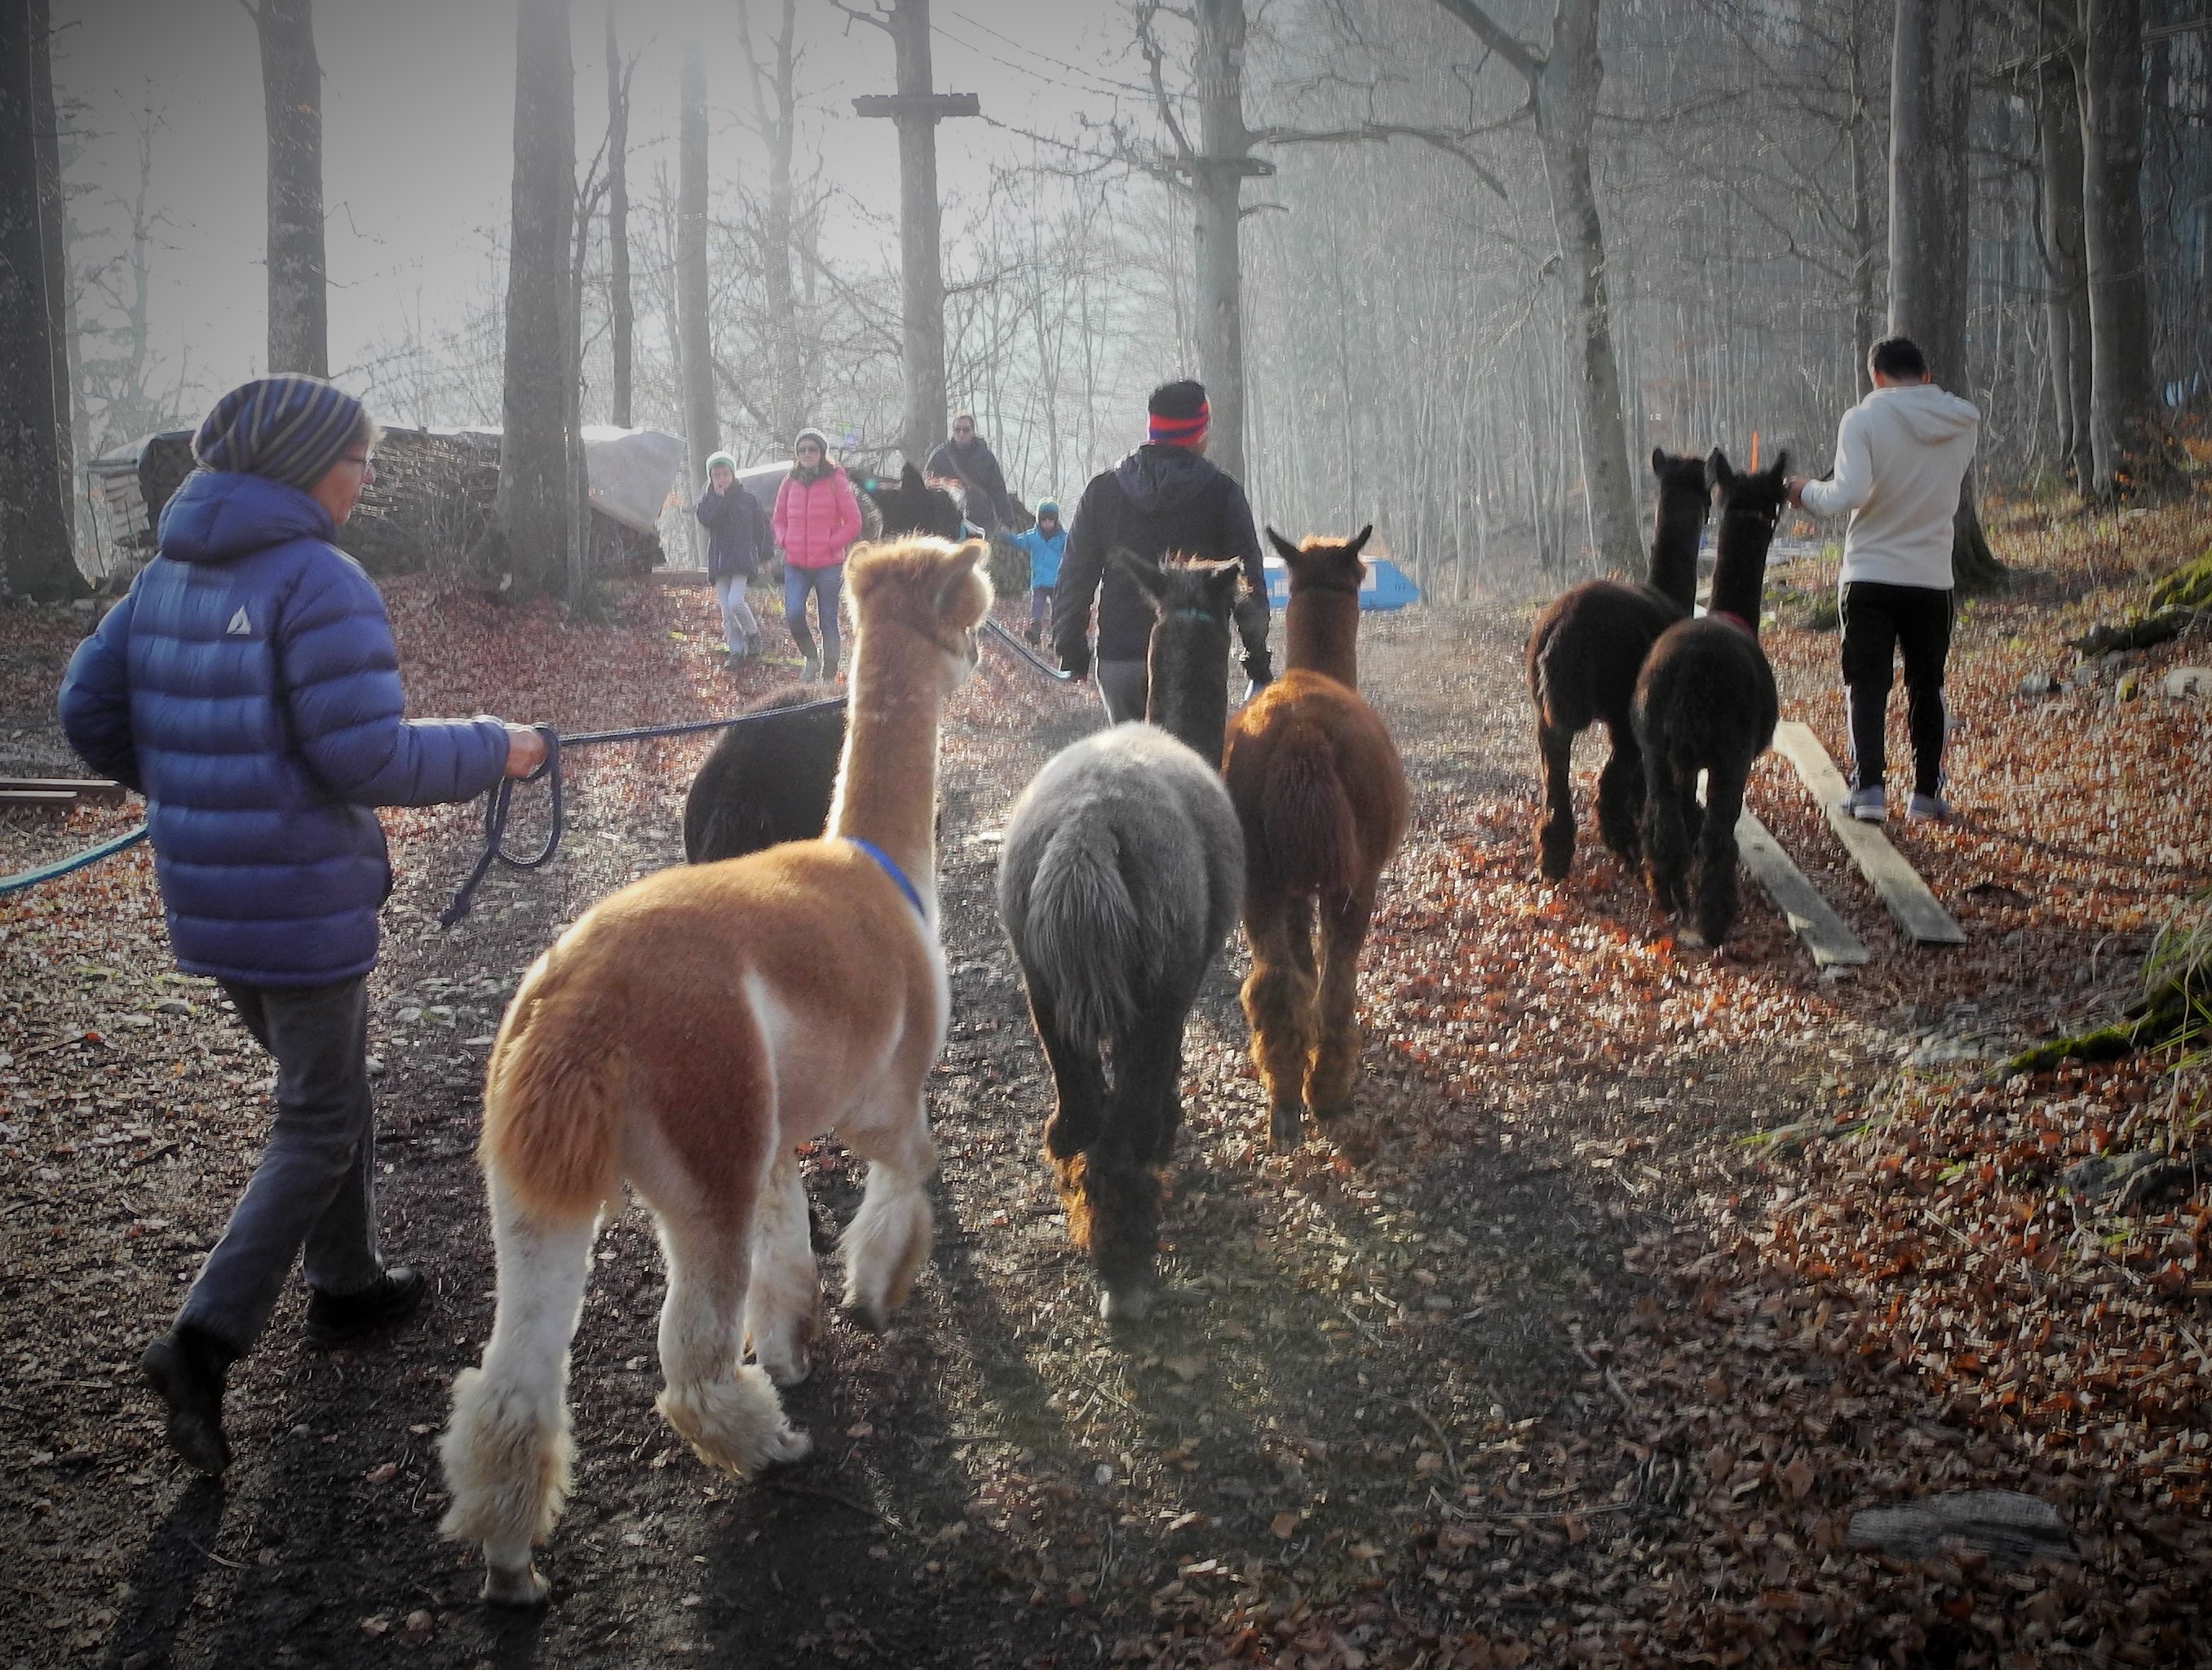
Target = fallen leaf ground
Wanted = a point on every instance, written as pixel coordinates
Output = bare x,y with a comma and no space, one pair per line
1638,1272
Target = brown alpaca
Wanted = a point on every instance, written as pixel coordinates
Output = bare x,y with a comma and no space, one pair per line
1322,797
683,1036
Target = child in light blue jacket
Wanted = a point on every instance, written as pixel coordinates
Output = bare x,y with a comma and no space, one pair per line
1044,543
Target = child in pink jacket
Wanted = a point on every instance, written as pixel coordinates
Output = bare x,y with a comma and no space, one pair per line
816,517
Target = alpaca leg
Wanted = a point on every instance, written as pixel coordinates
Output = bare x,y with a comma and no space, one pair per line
783,1302
1666,836
1078,1085
506,1451
889,1237
1121,1188
1278,999
729,1414
1555,828
1717,857
1336,1062
1620,795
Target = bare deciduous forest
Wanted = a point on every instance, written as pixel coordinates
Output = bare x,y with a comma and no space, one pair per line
1835,1294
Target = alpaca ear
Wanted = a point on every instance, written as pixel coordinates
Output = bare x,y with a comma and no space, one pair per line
1284,548
1150,581
1359,539
961,573
1225,582
1781,463
910,480
1717,467
1658,461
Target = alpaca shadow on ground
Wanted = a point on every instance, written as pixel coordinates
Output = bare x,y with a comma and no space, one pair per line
167,1576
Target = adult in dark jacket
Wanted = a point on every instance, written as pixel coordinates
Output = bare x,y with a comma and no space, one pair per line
248,687
1163,498
738,543
966,458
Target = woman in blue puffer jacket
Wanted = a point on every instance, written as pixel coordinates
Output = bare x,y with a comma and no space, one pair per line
248,687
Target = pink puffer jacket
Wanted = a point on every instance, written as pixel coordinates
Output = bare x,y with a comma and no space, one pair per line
816,520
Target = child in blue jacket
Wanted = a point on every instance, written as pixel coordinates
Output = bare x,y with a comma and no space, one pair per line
248,687
1044,543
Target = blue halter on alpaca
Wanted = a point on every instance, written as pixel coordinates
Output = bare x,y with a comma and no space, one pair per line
883,862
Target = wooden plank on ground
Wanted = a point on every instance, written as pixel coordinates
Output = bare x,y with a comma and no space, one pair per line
38,797
100,791
1900,885
1825,935
680,577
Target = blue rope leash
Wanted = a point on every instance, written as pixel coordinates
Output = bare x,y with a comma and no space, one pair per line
500,800
60,867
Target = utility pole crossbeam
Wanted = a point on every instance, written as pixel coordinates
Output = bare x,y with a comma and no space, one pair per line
917,109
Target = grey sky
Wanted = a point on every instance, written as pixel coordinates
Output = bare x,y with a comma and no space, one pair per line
418,102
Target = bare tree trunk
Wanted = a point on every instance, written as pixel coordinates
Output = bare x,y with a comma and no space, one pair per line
921,231
702,433
54,240
621,316
34,524
532,515
774,106
292,95
2067,304
1217,195
1865,246
2125,434
1931,87
1563,88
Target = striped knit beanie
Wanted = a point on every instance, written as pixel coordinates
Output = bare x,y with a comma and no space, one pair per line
1179,414
289,428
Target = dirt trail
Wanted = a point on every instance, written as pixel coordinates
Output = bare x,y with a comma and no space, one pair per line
1363,1350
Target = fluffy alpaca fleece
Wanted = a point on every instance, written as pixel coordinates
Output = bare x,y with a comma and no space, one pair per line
1705,701
1584,653
766,782
1118,881
1321,795
683,1036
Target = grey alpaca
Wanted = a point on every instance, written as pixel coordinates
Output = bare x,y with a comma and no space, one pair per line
1121,874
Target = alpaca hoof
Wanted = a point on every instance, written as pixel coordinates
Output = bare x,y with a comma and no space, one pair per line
1554,866
514,1586
788,1368
868,1319
1129,1303
1286,1127
1333,1111
787,1449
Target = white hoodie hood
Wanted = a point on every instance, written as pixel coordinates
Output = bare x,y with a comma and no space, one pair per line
1900,455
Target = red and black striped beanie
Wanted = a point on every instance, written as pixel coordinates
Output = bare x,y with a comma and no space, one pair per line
1179,413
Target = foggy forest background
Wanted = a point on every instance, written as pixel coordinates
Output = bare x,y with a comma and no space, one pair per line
1412,341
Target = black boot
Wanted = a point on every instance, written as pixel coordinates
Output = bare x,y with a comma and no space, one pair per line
187,1366
335,1319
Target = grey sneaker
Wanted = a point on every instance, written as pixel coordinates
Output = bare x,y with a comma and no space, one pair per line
1867,805
1927,808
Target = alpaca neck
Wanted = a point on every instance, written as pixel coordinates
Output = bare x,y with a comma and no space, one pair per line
887,781
1321,634
1740,567
1189,690
1673,572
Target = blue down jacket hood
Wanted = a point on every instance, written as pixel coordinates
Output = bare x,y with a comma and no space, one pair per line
249,687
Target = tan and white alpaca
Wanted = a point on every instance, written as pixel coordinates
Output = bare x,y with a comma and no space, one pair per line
683,1036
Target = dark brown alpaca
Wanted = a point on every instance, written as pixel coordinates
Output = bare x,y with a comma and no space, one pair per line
1322,797
1707,703
1583,656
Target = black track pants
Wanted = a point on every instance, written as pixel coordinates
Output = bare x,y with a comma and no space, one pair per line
1878,620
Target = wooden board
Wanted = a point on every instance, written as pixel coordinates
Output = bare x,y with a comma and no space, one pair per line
680,577
1900,885
101,791
1831,943
40,797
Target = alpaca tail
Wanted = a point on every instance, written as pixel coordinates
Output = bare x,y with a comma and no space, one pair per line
1306,816
551,1120
1084,933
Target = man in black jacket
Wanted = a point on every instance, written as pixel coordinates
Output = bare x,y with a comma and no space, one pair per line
1163,499
966,458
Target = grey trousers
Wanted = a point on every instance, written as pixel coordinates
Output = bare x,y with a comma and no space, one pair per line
314,1192
1122,688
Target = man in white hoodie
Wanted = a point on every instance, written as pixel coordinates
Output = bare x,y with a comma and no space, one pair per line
1900,455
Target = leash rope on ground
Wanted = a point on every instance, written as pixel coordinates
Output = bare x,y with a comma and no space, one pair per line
60,867
1005,638
500,799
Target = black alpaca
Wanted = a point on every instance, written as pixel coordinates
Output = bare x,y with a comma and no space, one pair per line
1585,653
1705,701
771,781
